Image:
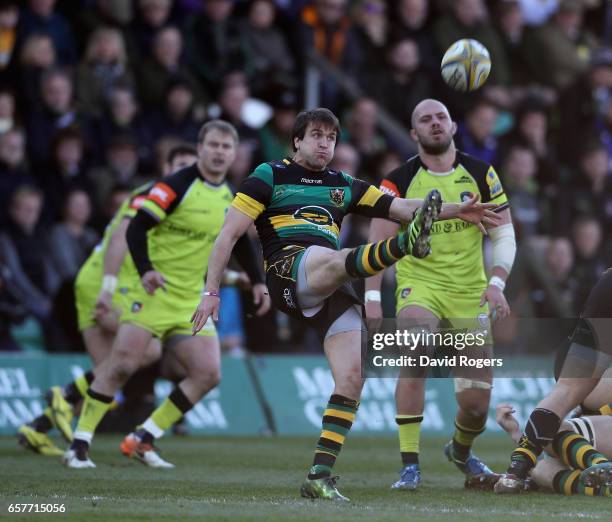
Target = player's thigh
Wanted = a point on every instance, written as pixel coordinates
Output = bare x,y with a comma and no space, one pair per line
98,343
567,394
200,356
152,352
343,351
601,394
130,346
325,269
418,317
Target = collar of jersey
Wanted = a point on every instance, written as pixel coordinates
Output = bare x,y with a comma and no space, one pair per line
310,172
433,172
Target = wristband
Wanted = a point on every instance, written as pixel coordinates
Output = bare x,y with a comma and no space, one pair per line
372,296
498,282
212,294
109,283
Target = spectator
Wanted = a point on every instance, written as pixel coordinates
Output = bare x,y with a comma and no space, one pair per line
153,16
26,252
518,173
271,59
71,239
581,104
37,55
117,195
409,20
40,17
12,310
216,45
537,13
101,13
560,50
511,28
371,31
177,117
9,17
121,169
469,19
242,166
327,29
13,170
531,130
65,172
104,66
57,112
233,103
589,194
475,134
163,67
123,118
587,236
553,293
362,132
275,136
8,111
398,85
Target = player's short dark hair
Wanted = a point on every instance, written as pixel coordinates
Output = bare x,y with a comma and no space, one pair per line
181,150
319,115
221,126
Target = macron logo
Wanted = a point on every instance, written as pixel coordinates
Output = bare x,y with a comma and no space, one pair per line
312,181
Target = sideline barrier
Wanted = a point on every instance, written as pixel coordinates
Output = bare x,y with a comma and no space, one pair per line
270,393
232,408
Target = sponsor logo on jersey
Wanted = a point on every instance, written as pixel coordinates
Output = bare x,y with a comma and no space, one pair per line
464,179
337,196
312,181
390,188
162,195
136,307
495,187
315,215
405,292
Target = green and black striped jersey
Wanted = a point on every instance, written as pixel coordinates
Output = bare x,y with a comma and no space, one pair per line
293,206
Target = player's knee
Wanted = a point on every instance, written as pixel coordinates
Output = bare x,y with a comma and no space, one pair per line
474,404
120,372
351,382
207,378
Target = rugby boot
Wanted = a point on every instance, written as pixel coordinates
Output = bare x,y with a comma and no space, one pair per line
36,441
134,448
597,475
410,478
418,233
322,488
471,466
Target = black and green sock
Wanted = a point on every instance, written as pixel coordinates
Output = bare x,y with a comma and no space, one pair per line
575,451
337,421
367,260
465,433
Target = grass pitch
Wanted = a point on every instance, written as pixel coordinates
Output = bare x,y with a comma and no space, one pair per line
241,479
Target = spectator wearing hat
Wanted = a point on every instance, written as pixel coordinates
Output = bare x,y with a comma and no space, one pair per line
275,135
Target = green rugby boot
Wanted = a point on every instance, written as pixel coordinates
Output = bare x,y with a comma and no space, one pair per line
36,441
418,232
322,488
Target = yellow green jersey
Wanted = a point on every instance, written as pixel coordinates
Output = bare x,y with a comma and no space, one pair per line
456,262
190,212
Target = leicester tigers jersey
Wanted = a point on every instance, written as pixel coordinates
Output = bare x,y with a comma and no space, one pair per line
456,261
293,206
190,211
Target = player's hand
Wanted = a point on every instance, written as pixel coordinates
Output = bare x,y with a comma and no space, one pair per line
479,214
374,315
497,302
504,417
209,306
153,280
104,304
261,298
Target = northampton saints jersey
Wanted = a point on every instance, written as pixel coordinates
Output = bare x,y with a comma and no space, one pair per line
456,261
190,211
293,206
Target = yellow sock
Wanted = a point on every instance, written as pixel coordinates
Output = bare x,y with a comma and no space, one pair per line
170,411
95,407
409,431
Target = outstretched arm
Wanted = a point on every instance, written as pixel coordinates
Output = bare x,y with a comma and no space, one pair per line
236,224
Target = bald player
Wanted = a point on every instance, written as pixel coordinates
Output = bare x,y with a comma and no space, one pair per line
450,284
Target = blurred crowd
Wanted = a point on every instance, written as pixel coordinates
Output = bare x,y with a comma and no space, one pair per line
92,98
